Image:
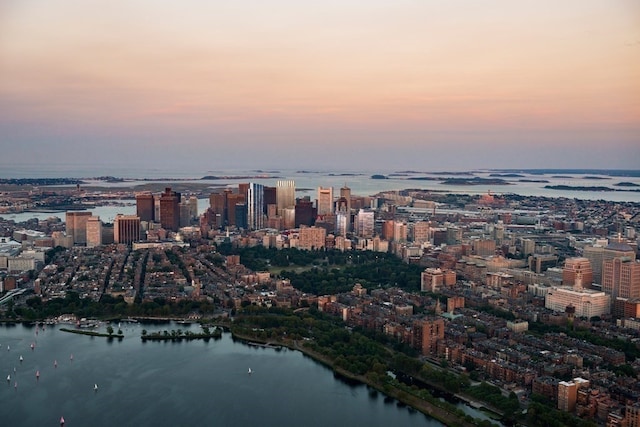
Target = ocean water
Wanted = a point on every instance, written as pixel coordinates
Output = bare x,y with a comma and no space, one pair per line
308,181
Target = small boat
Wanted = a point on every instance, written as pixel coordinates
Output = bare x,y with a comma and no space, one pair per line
21,359
8,347
55,363
249,372
95,387
32,346
9,378
15,385
61,421
37,374
71,357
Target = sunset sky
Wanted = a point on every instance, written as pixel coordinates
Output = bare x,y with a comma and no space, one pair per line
399,84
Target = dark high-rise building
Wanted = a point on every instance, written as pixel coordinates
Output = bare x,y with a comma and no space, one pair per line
243,189
218,205
305,212
170,210
270,197
145,207
232,201
240,215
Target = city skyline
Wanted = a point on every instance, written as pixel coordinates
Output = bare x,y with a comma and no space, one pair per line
397,85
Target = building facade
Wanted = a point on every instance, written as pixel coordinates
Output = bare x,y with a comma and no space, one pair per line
170,210
577,273
126,229
587,303
76,226
325,201
255,206
145,207
285,195
94,231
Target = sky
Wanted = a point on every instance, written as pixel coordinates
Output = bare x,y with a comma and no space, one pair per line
340,84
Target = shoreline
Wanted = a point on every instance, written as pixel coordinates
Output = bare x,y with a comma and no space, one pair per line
421,405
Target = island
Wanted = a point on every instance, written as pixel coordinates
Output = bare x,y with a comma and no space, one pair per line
475,181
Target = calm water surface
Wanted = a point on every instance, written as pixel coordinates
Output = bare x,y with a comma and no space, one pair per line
175,384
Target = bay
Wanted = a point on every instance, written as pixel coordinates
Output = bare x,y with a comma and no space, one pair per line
175,384
307,182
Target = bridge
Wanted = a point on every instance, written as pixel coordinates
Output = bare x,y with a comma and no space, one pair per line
11,294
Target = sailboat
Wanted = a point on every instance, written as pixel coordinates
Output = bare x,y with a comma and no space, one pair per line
61,421
249,371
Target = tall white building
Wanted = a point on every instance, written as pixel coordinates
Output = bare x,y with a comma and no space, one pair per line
255,206
285,195
365,224
342,223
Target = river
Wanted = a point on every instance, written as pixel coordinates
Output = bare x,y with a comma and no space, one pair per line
176,383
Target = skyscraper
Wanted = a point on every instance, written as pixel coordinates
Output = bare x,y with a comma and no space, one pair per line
342,223
218,207
76,226
325,201
255,206
170,210
269,197
145,207
239,215
288,216
621,278
577,273
285,195
421,231
365,222
345,192
188,211
305,212
94,231
233,201
399,231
